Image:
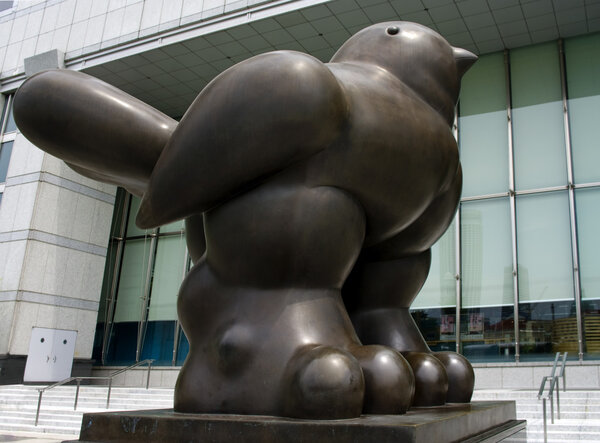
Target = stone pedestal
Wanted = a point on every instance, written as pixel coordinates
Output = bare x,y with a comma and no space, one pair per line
478,421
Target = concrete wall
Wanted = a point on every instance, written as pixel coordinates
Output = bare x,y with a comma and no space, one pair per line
54,231
579,375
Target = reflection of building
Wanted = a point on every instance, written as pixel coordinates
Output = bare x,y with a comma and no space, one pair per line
471,266
58,250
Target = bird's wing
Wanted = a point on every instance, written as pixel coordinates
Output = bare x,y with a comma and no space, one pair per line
97,129
251,121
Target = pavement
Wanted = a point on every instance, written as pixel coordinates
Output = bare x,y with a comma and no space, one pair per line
26,437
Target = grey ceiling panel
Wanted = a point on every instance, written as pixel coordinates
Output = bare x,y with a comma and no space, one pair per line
594,25
316,12
444,13
170,77
508,15
592,11
571,16
564,5
407,6
541,22
482,20
501,4
512,28
339,6
487,33
490,45
544,35
538,7
380,13
436,3
571,29
518,40
452,27
327,24
472,7
421,17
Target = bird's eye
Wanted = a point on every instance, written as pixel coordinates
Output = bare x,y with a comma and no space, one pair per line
393,30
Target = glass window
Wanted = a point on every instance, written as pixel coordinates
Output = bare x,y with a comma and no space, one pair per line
547,320
132,229
5,151
132,280
487,312
128,310
582,56
538,125
169,267
10,121
588,214
434,309
11,126
486,253
483,133
176,226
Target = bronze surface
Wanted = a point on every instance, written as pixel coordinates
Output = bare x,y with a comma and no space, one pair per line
312,195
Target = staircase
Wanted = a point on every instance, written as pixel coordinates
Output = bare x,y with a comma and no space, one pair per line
580,410
18,404
579,414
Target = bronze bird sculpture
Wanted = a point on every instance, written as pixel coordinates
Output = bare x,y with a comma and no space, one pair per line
312,194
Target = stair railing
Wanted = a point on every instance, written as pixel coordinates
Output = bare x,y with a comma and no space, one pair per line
79,379
553,379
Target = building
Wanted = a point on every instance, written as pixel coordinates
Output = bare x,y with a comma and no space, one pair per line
514,280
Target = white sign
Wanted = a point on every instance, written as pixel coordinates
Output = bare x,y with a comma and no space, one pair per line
50,355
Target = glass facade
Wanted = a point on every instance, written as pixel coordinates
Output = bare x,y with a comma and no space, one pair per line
516,277
138,308
7,135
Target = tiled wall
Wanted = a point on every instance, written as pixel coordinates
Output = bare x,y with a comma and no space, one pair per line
54,228
78,27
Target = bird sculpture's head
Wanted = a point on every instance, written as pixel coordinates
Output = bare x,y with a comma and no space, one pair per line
417,55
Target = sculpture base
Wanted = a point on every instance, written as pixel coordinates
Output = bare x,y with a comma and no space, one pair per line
477,421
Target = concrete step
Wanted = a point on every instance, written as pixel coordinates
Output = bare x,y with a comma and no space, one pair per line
18,406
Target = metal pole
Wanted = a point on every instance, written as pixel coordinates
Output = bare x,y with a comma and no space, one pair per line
76,394
513,209
545,423
148,376
557,399
37,414
570,179
551,396
458,281
108,394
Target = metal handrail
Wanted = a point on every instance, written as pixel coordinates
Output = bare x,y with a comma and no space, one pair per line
78,380
553,378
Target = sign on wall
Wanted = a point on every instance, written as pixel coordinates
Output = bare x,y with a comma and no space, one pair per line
50,355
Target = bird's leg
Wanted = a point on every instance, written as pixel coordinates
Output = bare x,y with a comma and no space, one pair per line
262,310
378,295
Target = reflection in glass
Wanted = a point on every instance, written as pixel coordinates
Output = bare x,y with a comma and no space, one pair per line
582,56
128,310
5,151
483,134
588,214
434,308
132,229
10,126
538,127
487,313
547,319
